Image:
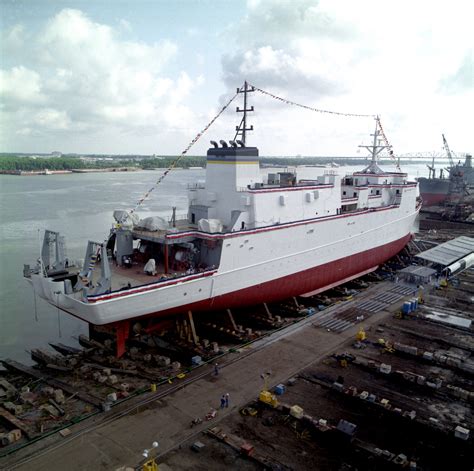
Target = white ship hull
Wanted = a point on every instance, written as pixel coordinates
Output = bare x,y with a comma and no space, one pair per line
259,265
247,239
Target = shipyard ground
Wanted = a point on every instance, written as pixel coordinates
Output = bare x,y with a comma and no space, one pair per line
305,353
309,351
386,438
168,420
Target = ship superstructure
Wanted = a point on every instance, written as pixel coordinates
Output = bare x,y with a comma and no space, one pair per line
247,239
452,188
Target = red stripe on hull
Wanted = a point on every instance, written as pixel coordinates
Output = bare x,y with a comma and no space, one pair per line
298,283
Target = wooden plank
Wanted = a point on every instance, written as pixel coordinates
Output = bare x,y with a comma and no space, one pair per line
17,423
13,365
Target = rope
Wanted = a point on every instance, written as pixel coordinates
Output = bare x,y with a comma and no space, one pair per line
289,102
389,146
185,151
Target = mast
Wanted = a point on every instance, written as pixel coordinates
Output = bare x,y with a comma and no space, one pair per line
241,129
375,149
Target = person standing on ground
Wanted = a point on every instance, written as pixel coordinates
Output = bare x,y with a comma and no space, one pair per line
216,369
222,401
227,400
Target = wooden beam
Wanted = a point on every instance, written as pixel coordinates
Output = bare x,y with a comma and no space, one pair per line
269,314
232,321
19,367
193,329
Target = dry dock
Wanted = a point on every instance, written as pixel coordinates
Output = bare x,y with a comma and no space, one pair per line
377,389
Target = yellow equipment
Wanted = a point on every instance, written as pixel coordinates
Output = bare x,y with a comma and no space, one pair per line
150,465
361,336
249,411
343,363
268,398
420,296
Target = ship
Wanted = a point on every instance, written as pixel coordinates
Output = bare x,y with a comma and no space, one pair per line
247,239
438,191
434,190
467,171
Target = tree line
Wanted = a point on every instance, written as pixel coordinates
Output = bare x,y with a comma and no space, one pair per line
12,163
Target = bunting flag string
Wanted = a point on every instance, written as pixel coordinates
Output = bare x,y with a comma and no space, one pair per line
289,102
185,151
389,146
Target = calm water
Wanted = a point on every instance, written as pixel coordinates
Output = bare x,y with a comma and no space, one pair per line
79,206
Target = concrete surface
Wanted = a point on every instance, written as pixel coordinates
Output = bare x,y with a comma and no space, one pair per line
121,442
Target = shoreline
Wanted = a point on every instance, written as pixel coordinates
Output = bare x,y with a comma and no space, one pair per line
28,173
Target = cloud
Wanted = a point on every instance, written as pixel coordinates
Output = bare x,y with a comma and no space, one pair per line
350,56
20,86
80,85
284,44
462,80
277,22
278,69
82,77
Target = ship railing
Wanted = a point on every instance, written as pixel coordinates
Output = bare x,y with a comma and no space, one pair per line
198,273
180,221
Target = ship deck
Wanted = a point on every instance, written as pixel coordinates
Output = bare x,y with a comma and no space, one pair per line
123,278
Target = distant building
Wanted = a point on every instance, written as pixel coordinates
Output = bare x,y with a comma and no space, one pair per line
56,153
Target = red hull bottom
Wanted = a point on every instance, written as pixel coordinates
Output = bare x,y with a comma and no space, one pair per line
433,199
317,279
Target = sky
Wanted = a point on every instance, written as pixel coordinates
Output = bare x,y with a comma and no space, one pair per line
145,76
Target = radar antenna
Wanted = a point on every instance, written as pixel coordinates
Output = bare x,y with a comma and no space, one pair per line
241,129
375,148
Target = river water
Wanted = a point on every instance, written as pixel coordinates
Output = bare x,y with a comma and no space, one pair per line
80,207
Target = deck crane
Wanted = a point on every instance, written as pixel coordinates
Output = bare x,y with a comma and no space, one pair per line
457,188
448,151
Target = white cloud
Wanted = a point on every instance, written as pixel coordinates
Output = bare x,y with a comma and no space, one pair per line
463,78
83,78
21,85
83,86
49,118
356,57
